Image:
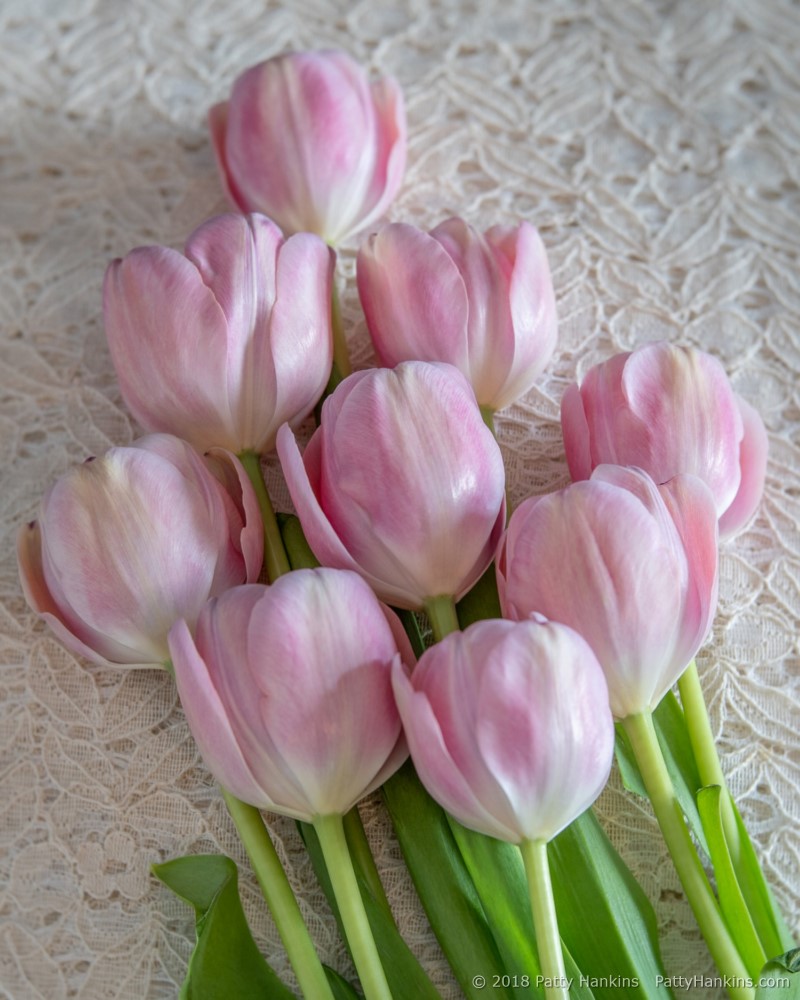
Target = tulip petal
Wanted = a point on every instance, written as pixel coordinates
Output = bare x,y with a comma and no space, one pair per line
575,429
247,531
218,127
753,465
160,318
490,331
593,557
321,689
301,340
435,766
691,506
414,298
209,722
75,634
509,727
321,537
390,152
532,304
693,424
391,498
552,762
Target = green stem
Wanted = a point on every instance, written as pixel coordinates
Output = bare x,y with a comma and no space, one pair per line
488,418
274,553
705,750
360,852
280,898
709,768
341,359
548,942
330,831
669,814
442,614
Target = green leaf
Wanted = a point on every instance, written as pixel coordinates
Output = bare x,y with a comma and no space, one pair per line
226,961
780,978
406,977
444,885
294,541
772,929
673,737
495,869
498,874
731,901
618,943
481,602
341,989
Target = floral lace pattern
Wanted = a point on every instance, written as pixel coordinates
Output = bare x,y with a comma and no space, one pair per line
655,145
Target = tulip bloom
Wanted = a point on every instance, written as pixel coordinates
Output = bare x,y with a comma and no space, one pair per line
402,482
509,727
128,543
629,565
223,345
667,410
307,139
287,690
484,303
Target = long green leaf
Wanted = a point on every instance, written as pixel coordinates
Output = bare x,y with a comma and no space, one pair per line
673,736
498,874
780,978
226,961
731,901
406,977
765,911
494,868
444,886
294,541
617,946
481,602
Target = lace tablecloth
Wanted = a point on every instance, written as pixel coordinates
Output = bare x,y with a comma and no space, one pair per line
655,145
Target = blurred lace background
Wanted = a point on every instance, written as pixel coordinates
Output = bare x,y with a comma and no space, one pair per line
654,144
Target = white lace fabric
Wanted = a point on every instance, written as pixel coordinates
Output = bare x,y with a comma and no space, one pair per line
655,145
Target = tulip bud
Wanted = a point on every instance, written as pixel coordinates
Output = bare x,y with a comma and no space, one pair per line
128,543
669,409
287,690
223,345
509,727
629,565
484,303
307,139
402,482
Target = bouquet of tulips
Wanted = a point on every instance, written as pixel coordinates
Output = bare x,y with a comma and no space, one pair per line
408,613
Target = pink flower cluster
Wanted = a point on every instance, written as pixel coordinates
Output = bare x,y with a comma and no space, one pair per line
609,586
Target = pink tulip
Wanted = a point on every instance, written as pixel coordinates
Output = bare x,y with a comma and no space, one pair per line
287,690
484,303
310,141
402,483
509,727
667,410
629,565
225,344
128,543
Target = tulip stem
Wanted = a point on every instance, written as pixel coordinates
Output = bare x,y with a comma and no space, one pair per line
333,842
279,898
705,750
669,814
545,923
341,359
488,418
275,557
442,614
710,770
